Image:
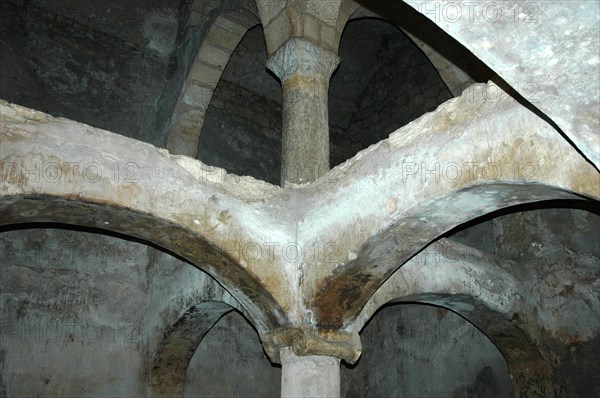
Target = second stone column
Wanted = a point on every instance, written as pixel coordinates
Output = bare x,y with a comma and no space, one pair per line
304,69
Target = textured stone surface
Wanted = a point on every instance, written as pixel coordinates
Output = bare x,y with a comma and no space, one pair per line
424,351
223,35
304,70
382,83
563,72
83,312
454,140
242,134
545,294
230,362
309,376
126,61
174,352
242,130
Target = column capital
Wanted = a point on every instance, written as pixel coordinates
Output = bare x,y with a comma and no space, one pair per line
299,56
309,341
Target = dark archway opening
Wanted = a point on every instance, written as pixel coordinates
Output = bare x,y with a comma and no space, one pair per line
230,362
419,350
242,128
384,81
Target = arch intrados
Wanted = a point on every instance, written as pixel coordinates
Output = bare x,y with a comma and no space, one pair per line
590,205
366,274
503,333
21,210
174,353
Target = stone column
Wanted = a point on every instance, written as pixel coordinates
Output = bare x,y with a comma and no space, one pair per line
304,70
309,376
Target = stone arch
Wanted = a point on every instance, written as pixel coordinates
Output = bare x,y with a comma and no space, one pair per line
475,286
423,342
242,124
452,269
222,38
173,355
454,76
529,363
383,82
416,209
111,182
226,352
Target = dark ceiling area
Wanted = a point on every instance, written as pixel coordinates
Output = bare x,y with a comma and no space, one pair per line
106,65
111,64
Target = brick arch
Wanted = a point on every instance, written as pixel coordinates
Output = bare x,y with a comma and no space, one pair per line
222,38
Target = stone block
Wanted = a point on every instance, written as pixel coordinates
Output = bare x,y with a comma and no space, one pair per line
329,37
221,35
214,56
269,9
276,33
197,95
203,73
231,25
311,27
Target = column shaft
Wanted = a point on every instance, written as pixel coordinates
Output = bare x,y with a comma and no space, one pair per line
305,135
309,376
304,70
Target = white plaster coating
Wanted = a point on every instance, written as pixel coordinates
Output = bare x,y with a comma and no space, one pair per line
509,49
359,188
